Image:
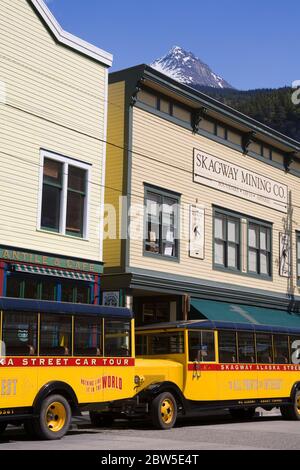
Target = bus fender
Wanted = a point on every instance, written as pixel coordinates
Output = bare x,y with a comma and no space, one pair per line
295,389
150,392
60,388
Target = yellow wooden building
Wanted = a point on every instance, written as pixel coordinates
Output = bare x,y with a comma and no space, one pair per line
207,205
53,119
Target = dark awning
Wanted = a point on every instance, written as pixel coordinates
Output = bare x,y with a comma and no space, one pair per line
245,314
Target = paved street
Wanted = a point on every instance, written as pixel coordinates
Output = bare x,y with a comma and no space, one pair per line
217,432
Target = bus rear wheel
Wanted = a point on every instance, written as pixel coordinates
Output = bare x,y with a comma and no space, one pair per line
164,411
242,413
292,411
3,426
54,419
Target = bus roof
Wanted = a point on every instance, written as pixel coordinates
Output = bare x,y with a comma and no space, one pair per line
222,325
45,306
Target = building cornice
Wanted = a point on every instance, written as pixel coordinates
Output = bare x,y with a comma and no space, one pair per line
69,40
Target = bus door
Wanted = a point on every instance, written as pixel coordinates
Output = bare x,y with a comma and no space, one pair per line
201,380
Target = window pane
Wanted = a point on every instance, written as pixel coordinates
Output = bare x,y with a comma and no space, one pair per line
227,346
55,337
219,228
264,263
77,179
51,207
75,213
156,312
264,348
49,290
253,241
252,261
221,132
13,286
20,334
263,238
152,242
88,337
219,253
117,338
201,346
246,348
31,288
295,349
161,343
67,291
181,113
281,349
232,231
53,172
165,106
148,98
232,256
83,293
298,249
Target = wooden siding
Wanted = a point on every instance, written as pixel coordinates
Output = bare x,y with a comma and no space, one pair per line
168,163
114,169
55,101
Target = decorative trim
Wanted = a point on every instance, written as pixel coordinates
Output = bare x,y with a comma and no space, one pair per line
24,268
68,39
197,117
103,169
289,158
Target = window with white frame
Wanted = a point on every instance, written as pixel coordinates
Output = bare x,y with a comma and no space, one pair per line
64,195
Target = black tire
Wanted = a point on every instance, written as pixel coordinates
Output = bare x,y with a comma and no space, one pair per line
29,428
54,418
100,420
242,413
3,427
164,411
292,411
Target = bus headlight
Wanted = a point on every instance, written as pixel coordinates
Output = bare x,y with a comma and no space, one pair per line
138,380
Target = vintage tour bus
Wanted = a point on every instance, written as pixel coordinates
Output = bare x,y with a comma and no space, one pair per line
59,359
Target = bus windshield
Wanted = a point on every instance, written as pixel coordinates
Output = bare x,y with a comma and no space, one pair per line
152,344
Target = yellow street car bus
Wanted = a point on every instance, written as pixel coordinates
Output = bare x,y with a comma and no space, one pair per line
186,367
58,359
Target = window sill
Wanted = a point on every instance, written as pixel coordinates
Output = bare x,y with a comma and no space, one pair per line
64,235
158,256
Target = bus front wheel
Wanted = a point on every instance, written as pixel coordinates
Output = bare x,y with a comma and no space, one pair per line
292,411
164,411
54,418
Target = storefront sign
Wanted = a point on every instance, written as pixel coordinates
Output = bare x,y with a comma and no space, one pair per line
197,232
8,254
233,179
285,255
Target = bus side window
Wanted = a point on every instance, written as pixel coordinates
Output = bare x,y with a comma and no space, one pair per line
281,349
88,336
20,333
117,338
246,348
201,346
227,347
55,335
264,348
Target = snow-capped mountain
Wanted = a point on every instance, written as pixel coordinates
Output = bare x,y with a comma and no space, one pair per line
186,68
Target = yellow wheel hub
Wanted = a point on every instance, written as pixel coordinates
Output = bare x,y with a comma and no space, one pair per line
56,416
167,411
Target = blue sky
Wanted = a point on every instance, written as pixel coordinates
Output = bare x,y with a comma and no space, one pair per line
251,44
